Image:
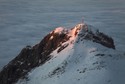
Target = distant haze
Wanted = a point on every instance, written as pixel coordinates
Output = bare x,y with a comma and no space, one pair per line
26,22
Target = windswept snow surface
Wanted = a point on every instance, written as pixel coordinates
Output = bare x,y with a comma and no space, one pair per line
82,62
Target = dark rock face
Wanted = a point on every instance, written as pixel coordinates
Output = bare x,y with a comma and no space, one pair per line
104,40
97,37
31,57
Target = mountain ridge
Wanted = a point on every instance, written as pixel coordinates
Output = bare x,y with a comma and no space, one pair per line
59,39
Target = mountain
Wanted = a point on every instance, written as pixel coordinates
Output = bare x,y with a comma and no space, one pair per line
76,56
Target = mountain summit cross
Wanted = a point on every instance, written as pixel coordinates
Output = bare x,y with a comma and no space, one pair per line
82,20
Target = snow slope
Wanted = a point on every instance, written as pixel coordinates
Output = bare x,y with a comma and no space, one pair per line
81,62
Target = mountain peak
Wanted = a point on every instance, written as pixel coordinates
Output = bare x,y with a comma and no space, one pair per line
59,30
72,33
56,41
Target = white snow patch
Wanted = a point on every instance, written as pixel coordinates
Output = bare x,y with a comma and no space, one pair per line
51,37
58,30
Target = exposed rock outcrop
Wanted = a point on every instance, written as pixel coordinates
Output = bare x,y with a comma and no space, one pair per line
97,37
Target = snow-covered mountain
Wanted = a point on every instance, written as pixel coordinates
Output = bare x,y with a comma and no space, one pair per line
81,55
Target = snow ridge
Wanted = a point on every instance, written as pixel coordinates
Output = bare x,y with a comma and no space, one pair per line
65,56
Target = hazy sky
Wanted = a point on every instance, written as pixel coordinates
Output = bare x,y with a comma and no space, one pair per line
26,22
